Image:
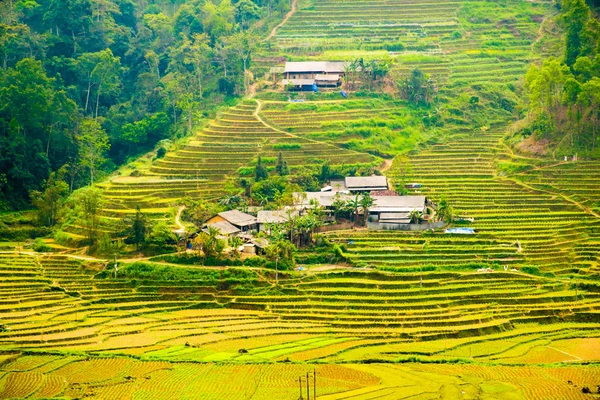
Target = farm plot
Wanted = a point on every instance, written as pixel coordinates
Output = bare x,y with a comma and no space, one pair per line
226,148
125,378
548,230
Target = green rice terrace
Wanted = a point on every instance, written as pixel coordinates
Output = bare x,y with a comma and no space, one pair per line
241,262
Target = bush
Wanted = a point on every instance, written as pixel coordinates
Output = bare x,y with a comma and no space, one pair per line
160,153
40,246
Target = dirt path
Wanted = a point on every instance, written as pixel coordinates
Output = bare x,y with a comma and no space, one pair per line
180,227
553,193
387,164
287,16
256,115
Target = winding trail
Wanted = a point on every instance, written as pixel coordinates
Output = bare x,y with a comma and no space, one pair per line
553,193
180,227
256,115
287,16
387,164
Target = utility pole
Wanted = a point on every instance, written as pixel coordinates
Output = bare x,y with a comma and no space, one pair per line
116,267
315,383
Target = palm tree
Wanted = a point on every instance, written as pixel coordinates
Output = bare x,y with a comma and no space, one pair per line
415,216
444,211
354,205
366,202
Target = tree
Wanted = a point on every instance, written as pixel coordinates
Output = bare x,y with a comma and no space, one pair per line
590,99
281,168
281,250
199,211
444,211
246,11
101,70
50,203
366,202
93,143
242,45
418,88
209,242
576,15
218,21
232,201
354,205
89,202
137,233
162,236
415,216
404,173
260,172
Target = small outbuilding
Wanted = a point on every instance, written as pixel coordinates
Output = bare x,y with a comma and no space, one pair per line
361,184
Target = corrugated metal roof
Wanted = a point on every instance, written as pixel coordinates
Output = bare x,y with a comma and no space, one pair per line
375,182
274,217
315,66
224,227
397,204
238,218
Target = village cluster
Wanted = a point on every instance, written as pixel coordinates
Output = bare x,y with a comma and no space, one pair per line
389,211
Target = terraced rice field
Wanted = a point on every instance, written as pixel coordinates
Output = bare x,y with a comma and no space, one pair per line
58,303
125,378
203,166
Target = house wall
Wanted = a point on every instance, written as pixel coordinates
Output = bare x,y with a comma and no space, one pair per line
216,218
378,226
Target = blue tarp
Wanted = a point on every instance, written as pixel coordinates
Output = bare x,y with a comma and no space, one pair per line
344,94
462,231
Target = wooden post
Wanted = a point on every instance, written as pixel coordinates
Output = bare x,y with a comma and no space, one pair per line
300,382
307,387
315,383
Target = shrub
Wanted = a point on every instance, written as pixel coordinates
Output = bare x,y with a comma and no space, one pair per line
160,153
40,246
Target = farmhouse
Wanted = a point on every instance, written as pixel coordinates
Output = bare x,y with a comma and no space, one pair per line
265,217
242,221
358,184
224,228
395,209
312,74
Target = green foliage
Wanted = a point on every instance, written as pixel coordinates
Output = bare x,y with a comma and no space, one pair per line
93,143
40,246
418,88
88,203
142,72
287,146
136,229
160,235
144,271
51,202
260,171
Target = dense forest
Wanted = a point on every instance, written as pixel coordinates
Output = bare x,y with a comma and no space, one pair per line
86,85
564,94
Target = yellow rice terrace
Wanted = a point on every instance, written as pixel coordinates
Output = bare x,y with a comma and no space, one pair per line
343,199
